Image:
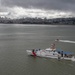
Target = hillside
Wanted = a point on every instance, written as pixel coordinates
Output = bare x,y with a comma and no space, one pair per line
68,21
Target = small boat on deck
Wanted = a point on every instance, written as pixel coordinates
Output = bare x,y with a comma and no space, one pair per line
52,52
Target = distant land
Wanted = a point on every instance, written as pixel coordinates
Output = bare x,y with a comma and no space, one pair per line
28,20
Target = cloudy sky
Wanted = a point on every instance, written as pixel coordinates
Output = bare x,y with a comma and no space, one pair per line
34,8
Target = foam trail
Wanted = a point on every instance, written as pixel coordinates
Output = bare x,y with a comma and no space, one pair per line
68,41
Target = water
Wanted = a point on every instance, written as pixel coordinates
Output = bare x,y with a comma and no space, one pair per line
16,38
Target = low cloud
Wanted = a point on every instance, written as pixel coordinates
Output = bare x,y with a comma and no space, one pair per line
20,12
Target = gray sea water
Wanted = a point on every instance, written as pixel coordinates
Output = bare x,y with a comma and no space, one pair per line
16,38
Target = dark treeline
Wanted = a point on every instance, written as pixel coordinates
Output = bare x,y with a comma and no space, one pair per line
68,21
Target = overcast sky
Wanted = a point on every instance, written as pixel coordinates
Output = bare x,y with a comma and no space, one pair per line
44,4
60,5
